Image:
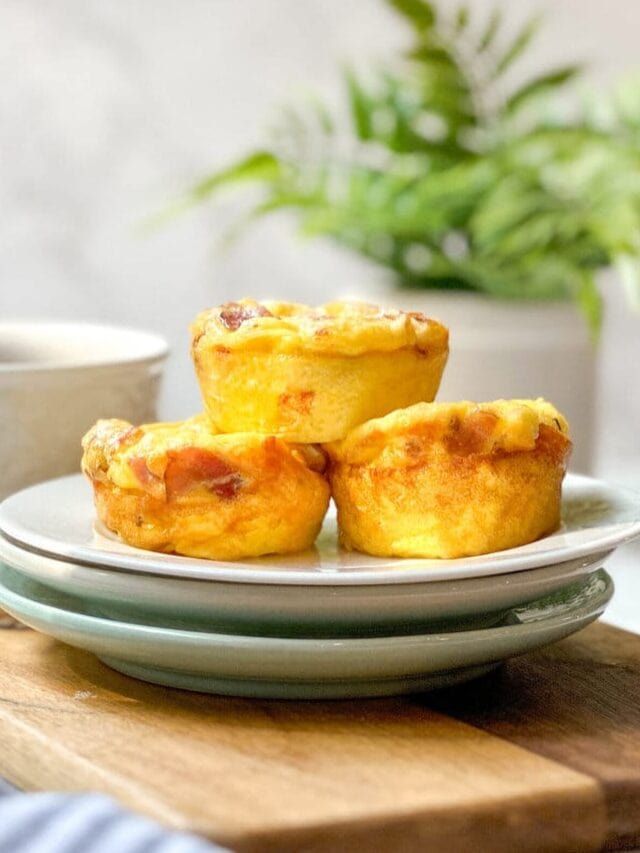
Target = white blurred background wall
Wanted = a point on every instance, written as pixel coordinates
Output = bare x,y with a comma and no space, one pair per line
109,109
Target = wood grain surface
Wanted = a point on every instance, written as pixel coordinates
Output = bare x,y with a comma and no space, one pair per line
542,755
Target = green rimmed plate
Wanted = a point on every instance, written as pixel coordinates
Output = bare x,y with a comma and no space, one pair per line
304,668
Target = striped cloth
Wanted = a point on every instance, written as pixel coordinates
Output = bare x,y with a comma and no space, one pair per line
83,823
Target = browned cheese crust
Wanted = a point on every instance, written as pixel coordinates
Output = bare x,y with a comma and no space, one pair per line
451,480
181,488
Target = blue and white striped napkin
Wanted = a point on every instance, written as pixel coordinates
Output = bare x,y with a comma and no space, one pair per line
83,823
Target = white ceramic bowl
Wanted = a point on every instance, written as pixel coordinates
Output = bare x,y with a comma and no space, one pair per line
56,379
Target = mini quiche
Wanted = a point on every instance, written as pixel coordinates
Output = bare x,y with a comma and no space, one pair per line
180,488
311,374
445,480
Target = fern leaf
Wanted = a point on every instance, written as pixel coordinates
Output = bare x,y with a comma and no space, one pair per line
419,13
518,45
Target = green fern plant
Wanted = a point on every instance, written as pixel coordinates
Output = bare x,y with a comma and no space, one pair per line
452,179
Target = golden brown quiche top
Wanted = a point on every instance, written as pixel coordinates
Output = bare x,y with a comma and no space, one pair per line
505,426
339,328
169,460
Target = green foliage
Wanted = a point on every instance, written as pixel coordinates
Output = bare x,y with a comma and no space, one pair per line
454,179
517,46
539,86
419,13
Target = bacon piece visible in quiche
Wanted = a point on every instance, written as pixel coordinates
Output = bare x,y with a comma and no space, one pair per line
194,467
472,433
418,316
299,401
233,314
147,479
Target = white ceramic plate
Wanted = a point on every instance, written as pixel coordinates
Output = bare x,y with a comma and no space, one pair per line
303,668
56,518
291,609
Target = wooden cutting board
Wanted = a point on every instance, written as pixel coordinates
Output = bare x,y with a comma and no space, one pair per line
543,754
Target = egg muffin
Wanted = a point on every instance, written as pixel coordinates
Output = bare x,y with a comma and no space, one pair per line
180,488
445,480
311,374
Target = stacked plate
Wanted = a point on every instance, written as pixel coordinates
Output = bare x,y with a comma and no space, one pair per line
323,624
